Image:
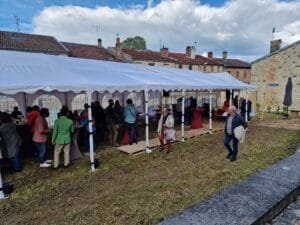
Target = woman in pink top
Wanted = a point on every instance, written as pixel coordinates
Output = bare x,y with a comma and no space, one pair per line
40,132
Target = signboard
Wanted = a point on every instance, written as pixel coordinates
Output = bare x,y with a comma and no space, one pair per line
273,85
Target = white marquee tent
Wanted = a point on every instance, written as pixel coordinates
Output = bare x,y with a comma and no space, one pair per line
23,72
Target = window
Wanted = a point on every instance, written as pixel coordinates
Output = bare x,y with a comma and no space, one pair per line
151,64
52,103
106,97
204,68
78,102
136,98
190,67
154,98
237,74
166,64
245,74
180,66
7,103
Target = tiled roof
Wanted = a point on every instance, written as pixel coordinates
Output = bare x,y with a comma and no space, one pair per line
30,42
233,63
199,60
147,55
88,51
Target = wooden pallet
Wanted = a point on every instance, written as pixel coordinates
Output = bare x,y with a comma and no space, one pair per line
139,148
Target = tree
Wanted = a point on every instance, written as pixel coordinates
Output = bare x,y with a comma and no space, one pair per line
137,42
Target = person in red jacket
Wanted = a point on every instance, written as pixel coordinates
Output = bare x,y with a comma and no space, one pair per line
32,115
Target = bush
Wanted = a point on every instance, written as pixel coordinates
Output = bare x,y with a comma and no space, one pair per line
257,107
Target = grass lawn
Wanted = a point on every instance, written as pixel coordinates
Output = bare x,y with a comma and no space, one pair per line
141,189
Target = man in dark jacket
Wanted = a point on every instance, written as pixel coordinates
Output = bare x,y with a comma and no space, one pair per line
112,123
233,120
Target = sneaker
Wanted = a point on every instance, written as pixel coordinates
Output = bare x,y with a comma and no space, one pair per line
233,158
49,161
44,165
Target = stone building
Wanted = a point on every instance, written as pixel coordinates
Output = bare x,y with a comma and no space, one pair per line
270,74
236,67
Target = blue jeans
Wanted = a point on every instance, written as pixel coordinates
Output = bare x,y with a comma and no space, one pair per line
15,162
131,132
234,149
41,147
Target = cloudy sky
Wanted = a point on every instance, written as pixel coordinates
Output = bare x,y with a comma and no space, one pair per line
242,27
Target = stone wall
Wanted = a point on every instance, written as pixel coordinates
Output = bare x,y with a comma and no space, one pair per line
270,75
240,74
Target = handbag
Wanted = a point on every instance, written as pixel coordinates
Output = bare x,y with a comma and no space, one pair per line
239,133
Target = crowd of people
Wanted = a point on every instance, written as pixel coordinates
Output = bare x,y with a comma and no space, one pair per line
105,122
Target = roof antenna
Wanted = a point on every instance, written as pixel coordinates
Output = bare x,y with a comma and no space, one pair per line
159,44
17,19
98,30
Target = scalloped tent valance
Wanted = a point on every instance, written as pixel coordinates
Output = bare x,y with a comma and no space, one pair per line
31,72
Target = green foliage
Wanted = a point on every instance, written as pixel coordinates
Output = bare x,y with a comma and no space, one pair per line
137,42
278,109
269,108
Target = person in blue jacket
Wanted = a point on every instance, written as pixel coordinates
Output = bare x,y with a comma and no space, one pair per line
130,113
233,120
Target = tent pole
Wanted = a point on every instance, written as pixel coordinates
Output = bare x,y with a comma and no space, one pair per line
182,115
238,102
230,98
210,112
148,150
246,116
91,141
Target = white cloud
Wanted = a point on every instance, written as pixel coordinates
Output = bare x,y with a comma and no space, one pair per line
149,3
242,27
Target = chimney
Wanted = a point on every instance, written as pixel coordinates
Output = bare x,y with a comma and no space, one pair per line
164,52
225,54
190,52
118,48
210,55
100,43
275,45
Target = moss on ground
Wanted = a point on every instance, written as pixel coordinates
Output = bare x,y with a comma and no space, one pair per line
141,189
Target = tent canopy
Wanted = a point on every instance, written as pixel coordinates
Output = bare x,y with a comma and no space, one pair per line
31,72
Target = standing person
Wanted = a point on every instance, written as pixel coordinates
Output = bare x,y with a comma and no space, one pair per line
99,116
33,113
11,141
233,120
130,113
112,123
187,104
61,138
16,113
119,111
40,133
166,130
236,101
